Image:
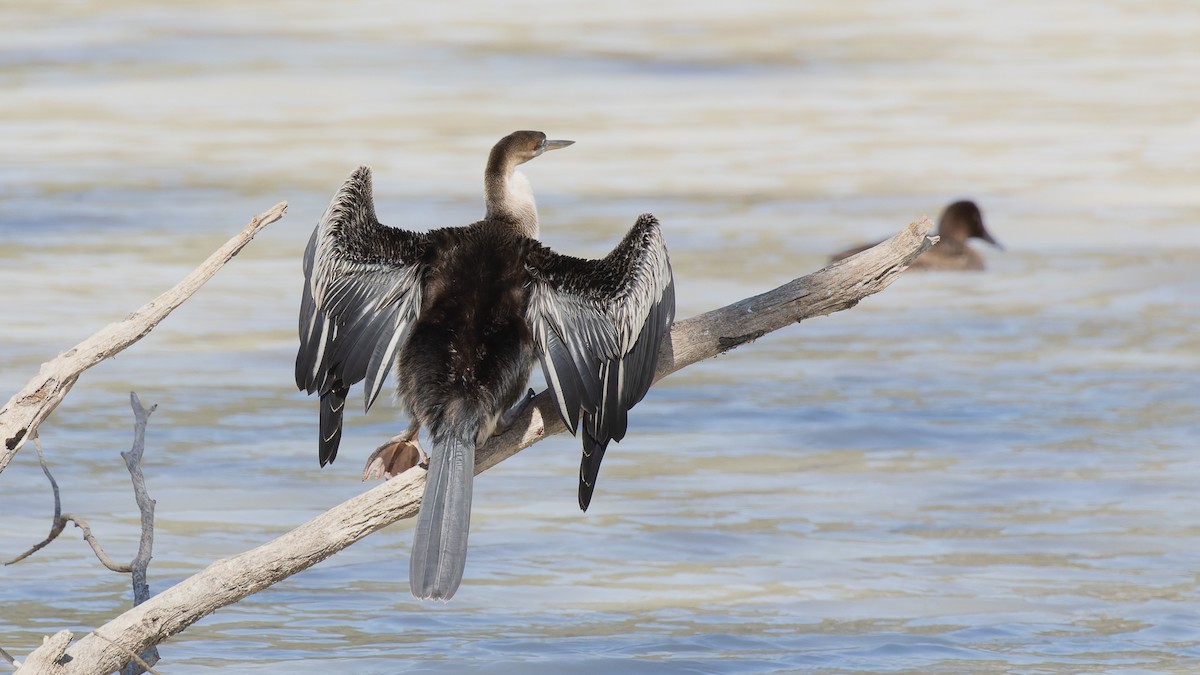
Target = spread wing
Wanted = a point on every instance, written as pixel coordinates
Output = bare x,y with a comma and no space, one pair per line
362,292
598,326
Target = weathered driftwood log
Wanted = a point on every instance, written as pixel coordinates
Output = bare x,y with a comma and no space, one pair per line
838,286
20,417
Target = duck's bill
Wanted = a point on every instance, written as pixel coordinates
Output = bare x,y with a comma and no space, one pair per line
555,145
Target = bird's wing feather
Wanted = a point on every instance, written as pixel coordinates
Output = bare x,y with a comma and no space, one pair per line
598,325
362,292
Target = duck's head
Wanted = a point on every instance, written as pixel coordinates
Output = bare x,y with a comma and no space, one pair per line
963,220
520,147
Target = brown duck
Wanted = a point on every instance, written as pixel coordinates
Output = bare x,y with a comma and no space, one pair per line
958,223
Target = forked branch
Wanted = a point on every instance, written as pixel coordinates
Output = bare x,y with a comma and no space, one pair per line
838,286
137,568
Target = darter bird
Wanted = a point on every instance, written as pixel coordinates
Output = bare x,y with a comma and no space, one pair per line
462,312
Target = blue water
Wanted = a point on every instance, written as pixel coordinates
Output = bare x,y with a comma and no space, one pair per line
980,473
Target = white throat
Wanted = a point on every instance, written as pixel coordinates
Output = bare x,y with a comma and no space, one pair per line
519,202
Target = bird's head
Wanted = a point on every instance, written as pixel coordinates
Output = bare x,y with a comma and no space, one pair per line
963,220
521,146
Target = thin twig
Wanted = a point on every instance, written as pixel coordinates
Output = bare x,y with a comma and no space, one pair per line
95,544
136,659
56,527
9,657
60,523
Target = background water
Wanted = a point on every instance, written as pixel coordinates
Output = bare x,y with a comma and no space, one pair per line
976,473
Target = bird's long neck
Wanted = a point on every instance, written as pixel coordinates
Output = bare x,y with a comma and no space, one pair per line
510,198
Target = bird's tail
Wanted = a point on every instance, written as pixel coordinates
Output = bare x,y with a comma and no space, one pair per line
439,550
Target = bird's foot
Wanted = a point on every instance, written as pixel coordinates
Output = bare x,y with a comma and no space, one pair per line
511,415
394,457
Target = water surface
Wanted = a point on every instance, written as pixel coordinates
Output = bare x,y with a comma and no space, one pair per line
967,473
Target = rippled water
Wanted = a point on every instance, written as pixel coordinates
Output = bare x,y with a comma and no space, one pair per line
967,473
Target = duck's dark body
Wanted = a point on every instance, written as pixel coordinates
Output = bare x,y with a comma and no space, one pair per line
462,312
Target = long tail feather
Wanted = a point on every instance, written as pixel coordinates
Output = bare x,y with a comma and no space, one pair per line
439,551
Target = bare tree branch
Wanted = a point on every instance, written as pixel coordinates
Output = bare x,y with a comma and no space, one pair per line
20,417
9,657
145,505
60,523
95,544
137,664
137,569
839,286
133,462
141,588
56,527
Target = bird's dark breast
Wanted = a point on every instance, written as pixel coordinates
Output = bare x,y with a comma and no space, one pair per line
471,342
